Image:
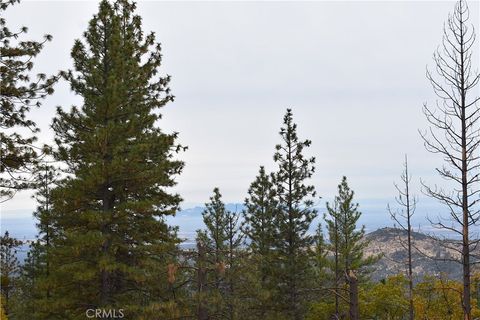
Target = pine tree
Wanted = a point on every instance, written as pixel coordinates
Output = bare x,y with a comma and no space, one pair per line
37,269
25,301
293,219
261,205
18,94
113,244
214,239
234,267
218,268
320,260
206,299
9,268
259,228
348,244
216,223
334,247
33,296
200,288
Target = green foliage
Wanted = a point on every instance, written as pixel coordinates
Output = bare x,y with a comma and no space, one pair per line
321,311
261,207
320,259
19,93
9,268
293,219
32,298
347,244
35,288
259,227
387,299
217,264
112,242
215,220
345,239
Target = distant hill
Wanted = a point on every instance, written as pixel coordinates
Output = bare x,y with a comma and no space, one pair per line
387,242
383,240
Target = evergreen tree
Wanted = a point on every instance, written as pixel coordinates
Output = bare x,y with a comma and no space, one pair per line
33,297
18,94
334,247
214,239
9,268
215,217
45,179
320,260
204,296
348,244
113,245
259,228
37,269
261,205
26,303
293,219
234,267
218,267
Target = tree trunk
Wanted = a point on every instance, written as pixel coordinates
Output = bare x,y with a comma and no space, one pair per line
337,273
465,206
353,292
202,313
409,242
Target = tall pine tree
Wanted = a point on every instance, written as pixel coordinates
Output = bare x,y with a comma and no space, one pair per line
113,245
259,227
293,219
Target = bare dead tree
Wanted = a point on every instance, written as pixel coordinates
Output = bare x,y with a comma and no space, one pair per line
403,217
454,134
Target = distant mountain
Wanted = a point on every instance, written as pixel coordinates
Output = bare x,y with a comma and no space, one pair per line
197,211
190,220
387,241
384,240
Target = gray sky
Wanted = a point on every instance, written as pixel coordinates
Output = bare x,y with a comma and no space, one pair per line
353,72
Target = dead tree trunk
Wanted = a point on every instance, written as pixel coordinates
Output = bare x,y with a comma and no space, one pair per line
403,217
456,115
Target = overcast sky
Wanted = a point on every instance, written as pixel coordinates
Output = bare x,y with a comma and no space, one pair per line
353,73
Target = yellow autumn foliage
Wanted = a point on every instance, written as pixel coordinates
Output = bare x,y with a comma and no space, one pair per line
3,316
435,298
